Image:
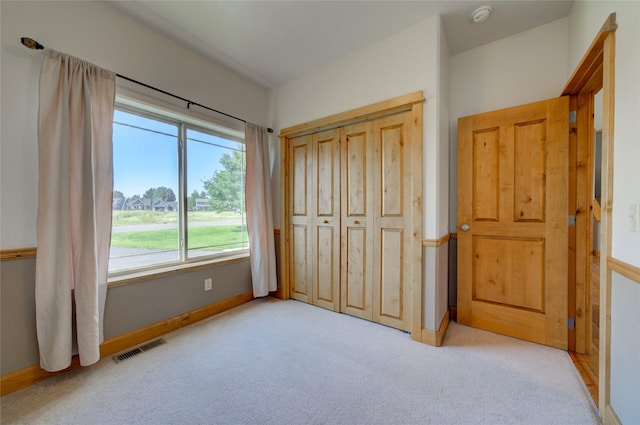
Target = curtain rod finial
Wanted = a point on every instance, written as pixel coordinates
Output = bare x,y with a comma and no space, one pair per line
31,43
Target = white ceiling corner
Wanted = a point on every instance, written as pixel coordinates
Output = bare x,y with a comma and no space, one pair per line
273,42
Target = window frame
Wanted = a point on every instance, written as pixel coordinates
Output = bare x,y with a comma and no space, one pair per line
183,123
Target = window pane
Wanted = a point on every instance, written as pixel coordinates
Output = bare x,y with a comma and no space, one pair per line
145,178
215,187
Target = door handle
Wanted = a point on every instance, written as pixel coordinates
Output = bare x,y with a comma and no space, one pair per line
464,227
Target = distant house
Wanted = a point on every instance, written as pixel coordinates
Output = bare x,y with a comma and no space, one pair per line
202,204
138,204
146,204
161,205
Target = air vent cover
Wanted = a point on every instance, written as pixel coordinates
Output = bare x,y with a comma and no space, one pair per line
141,349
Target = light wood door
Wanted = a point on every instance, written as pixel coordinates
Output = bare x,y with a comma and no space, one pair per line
315,220
301,232
326,220
357,221
513,196
392,220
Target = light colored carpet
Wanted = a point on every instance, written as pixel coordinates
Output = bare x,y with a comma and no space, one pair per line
285,362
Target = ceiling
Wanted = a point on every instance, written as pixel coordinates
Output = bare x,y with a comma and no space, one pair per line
273,42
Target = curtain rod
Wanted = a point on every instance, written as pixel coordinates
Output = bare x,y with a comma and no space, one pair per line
33,44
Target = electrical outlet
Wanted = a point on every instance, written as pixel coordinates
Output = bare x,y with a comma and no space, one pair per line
208,284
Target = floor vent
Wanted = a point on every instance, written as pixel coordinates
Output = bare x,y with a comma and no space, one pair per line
141,349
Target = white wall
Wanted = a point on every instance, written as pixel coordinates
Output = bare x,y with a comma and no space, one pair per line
96,32
625,349
523,68
442,162
585,21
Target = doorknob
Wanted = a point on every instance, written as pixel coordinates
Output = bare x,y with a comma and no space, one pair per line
464,227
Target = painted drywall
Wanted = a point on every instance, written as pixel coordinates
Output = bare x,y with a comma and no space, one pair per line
524,68
442,163
435,292
102,35
128,307
585,21
625,348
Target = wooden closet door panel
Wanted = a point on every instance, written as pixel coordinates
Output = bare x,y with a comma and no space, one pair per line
392,220
326,220
357,220
301,261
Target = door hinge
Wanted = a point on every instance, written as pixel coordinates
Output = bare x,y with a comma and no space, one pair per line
572,116
571,323
571,219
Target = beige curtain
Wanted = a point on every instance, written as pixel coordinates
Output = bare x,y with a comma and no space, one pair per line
75,127
259,212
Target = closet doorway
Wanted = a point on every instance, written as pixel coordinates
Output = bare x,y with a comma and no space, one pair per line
352,213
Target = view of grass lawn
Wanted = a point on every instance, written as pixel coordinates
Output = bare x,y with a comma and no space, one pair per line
226,237
129,217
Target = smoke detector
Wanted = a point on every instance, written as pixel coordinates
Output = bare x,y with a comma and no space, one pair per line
481,14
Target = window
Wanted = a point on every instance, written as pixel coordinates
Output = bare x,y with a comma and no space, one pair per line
178,190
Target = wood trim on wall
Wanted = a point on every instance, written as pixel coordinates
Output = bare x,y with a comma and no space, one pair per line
435,338
30,375
436,242
592,60
15,254
624,269
572,292
416,214
608,100
610,416
159,273
364,113
595,70
582,241
283,292
142,276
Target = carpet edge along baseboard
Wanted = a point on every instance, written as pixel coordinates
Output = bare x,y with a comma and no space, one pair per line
22,378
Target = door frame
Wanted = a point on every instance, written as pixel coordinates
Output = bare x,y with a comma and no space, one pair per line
409,102
595,70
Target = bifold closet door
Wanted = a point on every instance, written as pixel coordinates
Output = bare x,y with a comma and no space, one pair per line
351,219
326,220
357,221
392,221
315,219
301,152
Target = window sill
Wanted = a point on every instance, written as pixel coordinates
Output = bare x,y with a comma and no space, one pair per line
142,276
